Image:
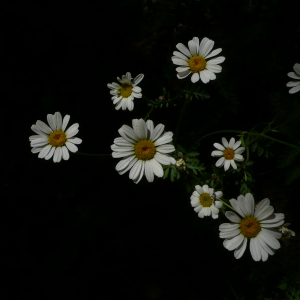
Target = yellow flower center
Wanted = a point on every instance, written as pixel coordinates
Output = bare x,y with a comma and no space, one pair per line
126,90
57,138
205,200
144,150
250,227
229,154
197,63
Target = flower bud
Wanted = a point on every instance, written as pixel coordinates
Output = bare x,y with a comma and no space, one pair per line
245,134
180,163
286,233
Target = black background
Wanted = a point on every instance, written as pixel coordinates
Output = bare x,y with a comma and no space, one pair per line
79,230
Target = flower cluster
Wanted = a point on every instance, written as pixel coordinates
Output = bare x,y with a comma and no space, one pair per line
144,149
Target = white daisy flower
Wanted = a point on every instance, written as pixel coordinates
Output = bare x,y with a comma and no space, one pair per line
203,201
194,60
54,140
294,75
143,148
259,225
229,152
124,93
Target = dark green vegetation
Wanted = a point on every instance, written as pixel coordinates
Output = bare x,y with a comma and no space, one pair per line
77,229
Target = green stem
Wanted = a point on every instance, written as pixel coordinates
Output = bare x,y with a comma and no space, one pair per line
216,132
226,204
163,101
90,154
251,133
197,178
275,140
149,112
248,154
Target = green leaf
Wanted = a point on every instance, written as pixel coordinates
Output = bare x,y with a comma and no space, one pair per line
254,147
194,153
260,151
283,286
166,173
173,174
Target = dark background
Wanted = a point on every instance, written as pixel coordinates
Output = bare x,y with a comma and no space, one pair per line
79,230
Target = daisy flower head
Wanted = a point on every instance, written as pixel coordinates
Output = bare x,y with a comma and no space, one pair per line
203,201
195,60
54,140
229,153
143,149
126,91
294,75
259,225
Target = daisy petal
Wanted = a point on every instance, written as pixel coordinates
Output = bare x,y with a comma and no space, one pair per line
239,251
183,49
183,74
180,55
58,119
50,154
65,153
157,132
217,60
234,242
73,148
51,121
226,165
294,89
65,122
157,168
232,216
213,53
43,127
195,77
204,77
192,47
149,171
219,146
220,162
138,79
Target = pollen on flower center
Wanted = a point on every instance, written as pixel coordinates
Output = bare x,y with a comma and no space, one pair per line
229,154
126,90
205,200
250,227
197,63
145,150
57,138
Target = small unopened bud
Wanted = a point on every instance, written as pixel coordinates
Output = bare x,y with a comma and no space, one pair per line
180,163
214,176
245,134
286,233
161,98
